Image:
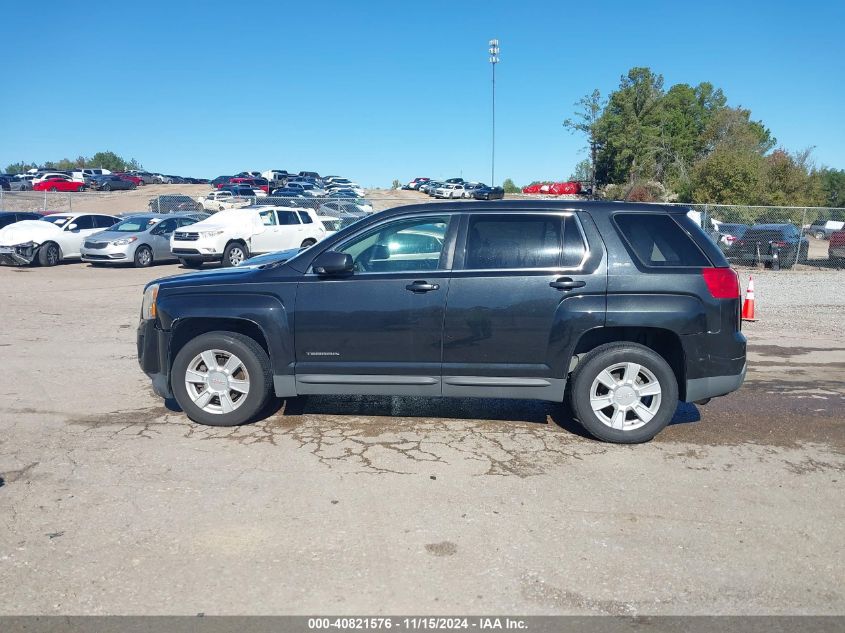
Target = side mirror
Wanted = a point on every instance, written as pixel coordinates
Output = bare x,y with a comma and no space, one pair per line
73,227
333,263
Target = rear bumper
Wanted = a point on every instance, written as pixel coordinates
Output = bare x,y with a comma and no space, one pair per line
713,386
836,252
153,354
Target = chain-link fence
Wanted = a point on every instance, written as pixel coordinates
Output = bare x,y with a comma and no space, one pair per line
780,238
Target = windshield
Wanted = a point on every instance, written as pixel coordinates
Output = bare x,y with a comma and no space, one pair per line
134,225
58,220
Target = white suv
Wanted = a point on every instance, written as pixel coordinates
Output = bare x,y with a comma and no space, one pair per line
232,236
220,200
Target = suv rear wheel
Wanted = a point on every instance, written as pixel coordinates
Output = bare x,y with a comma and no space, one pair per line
624,393
221,378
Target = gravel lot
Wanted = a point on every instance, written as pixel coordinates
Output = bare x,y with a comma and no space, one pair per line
113,504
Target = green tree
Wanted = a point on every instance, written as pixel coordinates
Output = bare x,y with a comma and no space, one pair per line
583,171
628,131
729,175
510,187
790,180
20,167
832,183
107,160
585,121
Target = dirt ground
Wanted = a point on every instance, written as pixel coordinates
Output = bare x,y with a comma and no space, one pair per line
112,504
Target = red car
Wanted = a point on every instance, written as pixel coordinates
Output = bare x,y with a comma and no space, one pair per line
59,184
836,248
260,183
131,178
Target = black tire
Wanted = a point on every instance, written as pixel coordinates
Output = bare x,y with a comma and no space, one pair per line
255,362
53,189
235,254
106,187
49,254
819,235
308,242
610,355
191,263
143,257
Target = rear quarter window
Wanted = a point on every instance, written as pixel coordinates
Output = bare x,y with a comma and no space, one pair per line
658,240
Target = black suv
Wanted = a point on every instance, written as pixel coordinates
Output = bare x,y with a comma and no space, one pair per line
621,308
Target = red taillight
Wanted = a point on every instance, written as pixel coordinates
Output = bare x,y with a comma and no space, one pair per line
779,244
729,238
723,283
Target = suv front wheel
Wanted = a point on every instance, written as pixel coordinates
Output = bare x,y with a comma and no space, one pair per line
624,393
221,378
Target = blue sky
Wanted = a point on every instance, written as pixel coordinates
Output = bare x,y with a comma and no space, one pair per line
384,90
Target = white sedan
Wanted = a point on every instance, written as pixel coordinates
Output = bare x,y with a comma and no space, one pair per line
50,240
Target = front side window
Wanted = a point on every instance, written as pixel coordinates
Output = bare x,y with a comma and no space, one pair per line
84,222
657,240
412,244
165,227
513,241
268,218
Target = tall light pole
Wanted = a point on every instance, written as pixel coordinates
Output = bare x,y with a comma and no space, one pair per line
494,59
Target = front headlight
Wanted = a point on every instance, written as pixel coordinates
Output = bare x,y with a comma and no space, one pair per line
210,233
25,245
124,241
148,305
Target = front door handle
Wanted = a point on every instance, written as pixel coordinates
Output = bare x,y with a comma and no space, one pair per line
565,283
422,286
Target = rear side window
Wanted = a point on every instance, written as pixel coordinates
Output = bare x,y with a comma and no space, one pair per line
657,240
513,241
287,217
306,219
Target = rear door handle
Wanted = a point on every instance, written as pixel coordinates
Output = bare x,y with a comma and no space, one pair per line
422,286
565,283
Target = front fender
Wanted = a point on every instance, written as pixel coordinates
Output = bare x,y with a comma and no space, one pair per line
266,311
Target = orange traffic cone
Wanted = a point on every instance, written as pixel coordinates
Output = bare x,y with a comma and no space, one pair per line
748,304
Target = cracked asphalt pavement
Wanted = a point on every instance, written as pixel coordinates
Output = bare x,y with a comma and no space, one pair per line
111,503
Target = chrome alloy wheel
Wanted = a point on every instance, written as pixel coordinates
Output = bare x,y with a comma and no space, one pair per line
217,381
236,256
625,396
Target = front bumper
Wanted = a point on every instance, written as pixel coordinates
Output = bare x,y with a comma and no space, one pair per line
17,255
109,253
836,252
153,356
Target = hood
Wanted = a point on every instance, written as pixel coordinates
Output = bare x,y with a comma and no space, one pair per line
28,231
227,275
108,236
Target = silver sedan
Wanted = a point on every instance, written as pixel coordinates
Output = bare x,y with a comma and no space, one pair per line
141,239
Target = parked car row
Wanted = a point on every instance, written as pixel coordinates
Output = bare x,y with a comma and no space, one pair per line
455,188
230,237
762,243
